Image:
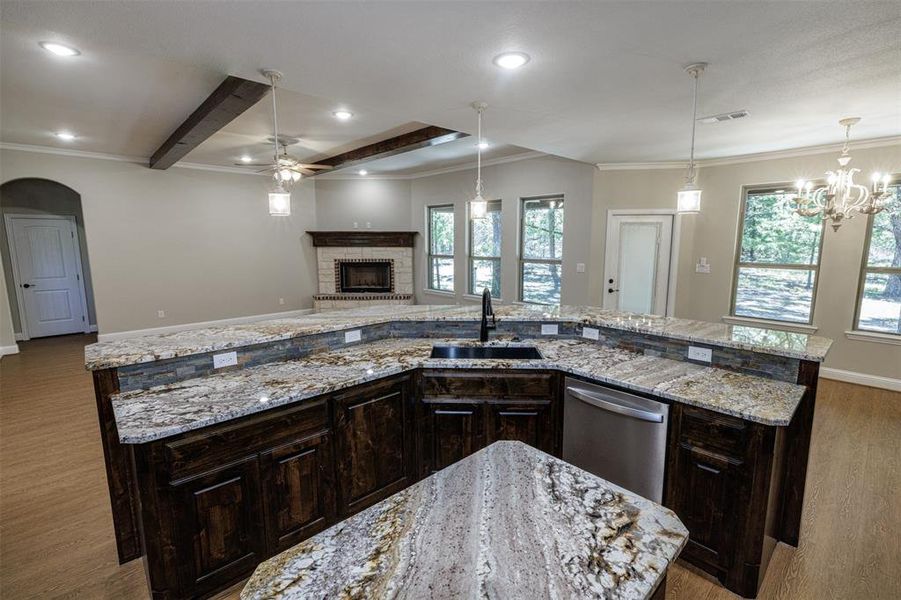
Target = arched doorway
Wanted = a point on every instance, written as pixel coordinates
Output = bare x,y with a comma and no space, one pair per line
45,259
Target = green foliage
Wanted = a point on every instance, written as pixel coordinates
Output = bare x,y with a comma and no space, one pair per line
773,233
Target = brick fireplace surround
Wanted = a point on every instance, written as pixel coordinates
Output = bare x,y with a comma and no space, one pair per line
335,247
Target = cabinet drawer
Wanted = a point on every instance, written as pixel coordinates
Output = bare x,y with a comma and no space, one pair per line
720,434
488,384
218,445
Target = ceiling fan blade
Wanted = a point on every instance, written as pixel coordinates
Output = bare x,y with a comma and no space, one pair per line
244,164
306,166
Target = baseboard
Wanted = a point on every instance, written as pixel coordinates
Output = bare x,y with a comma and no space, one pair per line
121,335
4,350
877,381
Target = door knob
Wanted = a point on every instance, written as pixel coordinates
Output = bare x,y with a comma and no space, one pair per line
27,285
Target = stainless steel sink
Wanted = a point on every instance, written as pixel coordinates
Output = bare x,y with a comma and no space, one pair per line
498,352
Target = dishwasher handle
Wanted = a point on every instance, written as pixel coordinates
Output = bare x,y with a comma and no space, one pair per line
603,403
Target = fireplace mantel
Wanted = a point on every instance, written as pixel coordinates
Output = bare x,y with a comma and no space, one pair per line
365,238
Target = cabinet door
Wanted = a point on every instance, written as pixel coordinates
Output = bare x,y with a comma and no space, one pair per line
707,486
219,526
298,490
455,432
373,444
528,422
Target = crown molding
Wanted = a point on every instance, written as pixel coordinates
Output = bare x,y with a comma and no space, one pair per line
756,157
138,160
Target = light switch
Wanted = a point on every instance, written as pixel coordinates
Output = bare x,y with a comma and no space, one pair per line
580,267
703,266
226,359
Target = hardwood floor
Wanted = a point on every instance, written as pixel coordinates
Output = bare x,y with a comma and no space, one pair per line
56,537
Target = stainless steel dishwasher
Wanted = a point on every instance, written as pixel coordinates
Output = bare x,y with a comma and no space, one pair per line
617,436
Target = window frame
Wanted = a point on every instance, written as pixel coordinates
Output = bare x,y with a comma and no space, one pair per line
428,250
472,257
522,243
737,264
865,270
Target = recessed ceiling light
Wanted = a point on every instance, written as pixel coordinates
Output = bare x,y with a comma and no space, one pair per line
511,60
342,115
362,172
59,49
246,159
66,136
483,145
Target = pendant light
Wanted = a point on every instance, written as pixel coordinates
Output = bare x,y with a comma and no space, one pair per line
279,196
688,200
478,206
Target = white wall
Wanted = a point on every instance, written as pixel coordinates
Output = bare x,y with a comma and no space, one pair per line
381,203
510,181
198,244
712,233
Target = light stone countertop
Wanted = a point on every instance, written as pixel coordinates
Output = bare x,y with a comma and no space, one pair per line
151,348
506,522
167,410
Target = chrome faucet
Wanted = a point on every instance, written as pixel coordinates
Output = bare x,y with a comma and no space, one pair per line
487,311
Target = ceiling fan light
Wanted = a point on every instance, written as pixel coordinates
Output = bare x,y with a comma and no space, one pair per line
688,200
295,176
279,203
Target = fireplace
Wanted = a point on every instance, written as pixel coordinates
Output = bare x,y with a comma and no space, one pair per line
364,276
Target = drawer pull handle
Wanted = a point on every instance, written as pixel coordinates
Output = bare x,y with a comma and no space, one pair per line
708,468
453,412
518,414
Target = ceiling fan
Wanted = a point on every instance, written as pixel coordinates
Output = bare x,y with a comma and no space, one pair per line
285,168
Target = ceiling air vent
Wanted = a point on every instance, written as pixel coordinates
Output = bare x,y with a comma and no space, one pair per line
728,116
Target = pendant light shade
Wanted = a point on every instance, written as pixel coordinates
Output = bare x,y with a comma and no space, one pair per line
478,206
279,202
688,199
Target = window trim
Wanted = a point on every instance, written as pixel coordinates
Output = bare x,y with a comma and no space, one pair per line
428,250
862,278
521,249
737,264
470,256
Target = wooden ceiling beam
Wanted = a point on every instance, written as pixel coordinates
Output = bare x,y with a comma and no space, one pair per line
233,96
407,142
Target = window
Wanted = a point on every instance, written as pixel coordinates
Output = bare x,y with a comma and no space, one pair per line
441,248
777,260
541,252
485,251
879,295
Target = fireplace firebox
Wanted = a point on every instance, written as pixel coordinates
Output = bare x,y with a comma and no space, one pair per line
365,276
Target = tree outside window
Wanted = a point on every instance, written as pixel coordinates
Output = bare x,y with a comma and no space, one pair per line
441,247
541,250
485,251
777,261
879,294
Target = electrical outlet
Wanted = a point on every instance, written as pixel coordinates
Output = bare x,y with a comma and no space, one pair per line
549,329
580,267
353,336
281,301
226,359
703,266
702,354
590,333
161,314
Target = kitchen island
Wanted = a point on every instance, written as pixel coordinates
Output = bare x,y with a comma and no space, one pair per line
328,414
507,522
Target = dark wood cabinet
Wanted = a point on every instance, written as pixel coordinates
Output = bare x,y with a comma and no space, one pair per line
373,443
722,484
298,490
219,527
454,431
528,422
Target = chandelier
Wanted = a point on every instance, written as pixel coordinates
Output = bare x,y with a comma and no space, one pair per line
840,198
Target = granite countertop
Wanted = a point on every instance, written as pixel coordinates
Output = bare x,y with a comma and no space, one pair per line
151,348
507,522
167,410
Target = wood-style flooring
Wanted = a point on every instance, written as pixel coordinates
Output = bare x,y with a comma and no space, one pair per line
56,532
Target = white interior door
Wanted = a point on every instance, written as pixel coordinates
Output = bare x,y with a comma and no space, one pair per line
637,264
48,274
